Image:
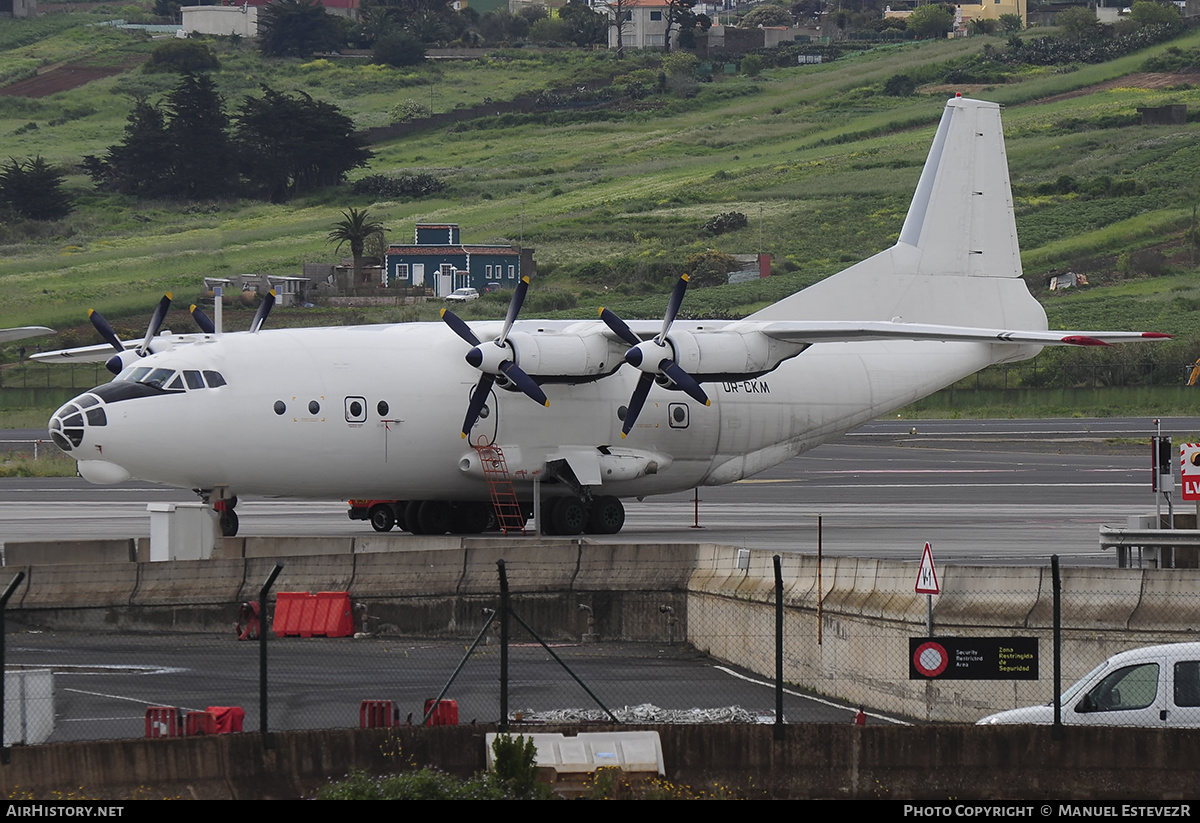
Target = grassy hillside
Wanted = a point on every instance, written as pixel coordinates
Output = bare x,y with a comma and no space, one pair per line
821,161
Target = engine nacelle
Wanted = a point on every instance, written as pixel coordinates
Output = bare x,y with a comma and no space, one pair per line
730,353
560,355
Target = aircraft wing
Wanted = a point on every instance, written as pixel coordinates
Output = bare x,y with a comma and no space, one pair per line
835,331
21,332
101,352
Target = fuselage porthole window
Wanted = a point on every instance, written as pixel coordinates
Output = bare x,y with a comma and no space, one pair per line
280,407
382,408
314,407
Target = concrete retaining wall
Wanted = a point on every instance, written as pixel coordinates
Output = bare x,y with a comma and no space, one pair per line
945,765
847,623
857,649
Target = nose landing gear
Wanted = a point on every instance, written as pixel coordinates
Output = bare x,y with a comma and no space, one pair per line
224,506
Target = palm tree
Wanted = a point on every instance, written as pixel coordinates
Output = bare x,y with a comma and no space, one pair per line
355,230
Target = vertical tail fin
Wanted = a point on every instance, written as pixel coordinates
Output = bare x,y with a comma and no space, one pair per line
961,217
957,261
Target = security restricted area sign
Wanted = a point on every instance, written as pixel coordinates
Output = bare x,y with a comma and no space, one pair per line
1189,471
972,658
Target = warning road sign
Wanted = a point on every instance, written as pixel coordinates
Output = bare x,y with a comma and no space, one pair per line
927,582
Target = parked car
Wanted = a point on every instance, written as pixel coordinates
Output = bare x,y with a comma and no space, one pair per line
462,295
1153,686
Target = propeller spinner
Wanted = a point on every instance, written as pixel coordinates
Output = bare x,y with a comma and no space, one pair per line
653,358
494,359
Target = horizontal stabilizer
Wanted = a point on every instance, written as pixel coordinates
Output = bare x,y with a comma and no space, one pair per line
834,331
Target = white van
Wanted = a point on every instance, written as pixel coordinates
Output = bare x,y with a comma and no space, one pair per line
1155,686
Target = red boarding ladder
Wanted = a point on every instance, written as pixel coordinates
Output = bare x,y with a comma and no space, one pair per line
504,497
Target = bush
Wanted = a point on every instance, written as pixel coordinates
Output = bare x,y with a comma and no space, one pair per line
398,49
710,268
406,185
900,85
182,56
729,221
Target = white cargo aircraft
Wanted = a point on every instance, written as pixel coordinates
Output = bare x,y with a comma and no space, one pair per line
630,409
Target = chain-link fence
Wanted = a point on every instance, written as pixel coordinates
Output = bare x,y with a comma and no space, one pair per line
635,634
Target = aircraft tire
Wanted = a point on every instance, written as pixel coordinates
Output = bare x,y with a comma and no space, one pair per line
434,517
470,518
607,516
569,517
412,520
229,523
382,518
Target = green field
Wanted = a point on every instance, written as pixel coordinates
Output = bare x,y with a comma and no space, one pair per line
819,159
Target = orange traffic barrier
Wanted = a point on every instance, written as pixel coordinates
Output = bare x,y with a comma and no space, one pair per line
324,614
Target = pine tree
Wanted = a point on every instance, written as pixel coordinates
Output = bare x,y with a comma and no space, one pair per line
33,189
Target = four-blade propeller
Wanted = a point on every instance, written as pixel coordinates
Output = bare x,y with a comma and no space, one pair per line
653,358
494,359
116,363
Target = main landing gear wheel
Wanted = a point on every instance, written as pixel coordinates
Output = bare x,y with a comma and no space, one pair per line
607,516
433,516
568,516
470,517
382,518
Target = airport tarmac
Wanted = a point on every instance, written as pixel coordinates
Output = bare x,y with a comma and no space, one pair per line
981,491
993,492
104,684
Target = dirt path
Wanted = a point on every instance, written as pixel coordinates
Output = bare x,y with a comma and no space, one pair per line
70,76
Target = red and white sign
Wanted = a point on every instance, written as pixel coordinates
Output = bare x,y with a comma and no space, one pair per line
927,582
931,659
1189,471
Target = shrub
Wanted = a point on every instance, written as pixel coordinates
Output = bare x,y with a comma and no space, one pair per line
398,48
900,85
406,185
710,268
729,221
182,56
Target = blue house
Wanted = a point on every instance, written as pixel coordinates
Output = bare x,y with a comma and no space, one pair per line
440,261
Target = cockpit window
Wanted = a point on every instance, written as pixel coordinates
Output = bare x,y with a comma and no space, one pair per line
169,379
135,374
157,378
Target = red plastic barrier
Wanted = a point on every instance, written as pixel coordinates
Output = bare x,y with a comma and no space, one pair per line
373,714
287,613
325,614
333,616
446,713
163,721
198,723
227,718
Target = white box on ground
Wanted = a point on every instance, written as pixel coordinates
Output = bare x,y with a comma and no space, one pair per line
28,706
181,531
